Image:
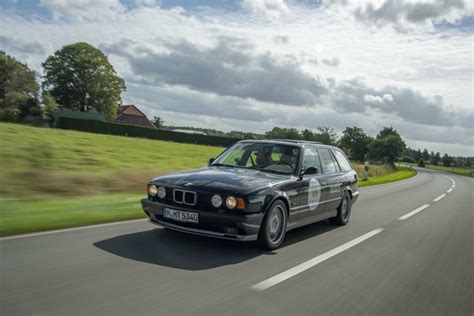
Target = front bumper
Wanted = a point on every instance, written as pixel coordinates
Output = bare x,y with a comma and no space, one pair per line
244,227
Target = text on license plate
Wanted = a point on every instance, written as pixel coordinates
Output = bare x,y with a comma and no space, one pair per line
181,215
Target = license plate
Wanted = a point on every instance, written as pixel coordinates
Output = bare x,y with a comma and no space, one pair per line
181,216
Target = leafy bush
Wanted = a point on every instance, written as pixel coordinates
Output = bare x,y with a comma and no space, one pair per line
110,128
9,115
421,163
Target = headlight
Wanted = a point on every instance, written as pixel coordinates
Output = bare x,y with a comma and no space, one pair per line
161,192
152,190
216,200
231,202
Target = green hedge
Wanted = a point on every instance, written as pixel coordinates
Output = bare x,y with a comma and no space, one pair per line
110,128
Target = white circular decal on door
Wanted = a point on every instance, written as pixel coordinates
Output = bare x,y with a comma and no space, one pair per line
314,194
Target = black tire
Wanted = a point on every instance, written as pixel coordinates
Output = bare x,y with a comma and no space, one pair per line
343,211
273,228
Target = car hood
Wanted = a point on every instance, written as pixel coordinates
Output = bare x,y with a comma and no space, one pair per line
222,180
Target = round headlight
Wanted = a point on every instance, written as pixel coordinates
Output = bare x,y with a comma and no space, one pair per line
231,202
216,200
161,192
152,190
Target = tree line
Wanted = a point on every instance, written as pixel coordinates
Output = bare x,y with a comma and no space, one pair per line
79,77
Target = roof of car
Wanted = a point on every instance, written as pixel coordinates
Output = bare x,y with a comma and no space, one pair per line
283,141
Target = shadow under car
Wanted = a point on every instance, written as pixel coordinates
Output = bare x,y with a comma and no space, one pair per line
192,252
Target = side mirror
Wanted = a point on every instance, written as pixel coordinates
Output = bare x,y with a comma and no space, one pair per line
310,170
210,161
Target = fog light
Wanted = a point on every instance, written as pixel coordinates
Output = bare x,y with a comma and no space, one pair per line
231,230
161,192
216,200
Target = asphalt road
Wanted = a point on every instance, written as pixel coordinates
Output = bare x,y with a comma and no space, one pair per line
422,264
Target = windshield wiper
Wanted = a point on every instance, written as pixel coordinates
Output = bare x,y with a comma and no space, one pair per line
268,170
220,165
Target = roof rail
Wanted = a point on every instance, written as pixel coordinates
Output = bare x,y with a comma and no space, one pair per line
296,141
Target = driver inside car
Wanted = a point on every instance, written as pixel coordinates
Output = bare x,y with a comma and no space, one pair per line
288,158
262,160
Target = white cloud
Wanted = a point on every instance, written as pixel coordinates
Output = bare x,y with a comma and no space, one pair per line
147,3
270,9
84,10
281,64
404,15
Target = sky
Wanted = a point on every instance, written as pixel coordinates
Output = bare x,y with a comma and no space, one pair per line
250,65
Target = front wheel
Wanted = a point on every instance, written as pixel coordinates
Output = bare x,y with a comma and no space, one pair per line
344,211
273,228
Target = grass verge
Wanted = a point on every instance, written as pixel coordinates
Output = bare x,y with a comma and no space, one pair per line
400,173
27,216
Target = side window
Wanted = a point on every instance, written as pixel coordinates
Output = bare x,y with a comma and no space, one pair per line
342,160
311,159
327,161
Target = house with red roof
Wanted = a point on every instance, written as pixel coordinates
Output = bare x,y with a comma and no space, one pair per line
131,115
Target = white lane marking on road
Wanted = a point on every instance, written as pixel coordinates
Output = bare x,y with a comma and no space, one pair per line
57,231
407,215
312,262
449,191
439,197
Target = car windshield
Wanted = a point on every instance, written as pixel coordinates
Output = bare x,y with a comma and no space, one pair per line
267,157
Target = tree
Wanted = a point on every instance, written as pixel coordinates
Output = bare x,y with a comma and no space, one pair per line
283,133
425,155
80,77
18,90
421,163
387,146
387,131
355,142
327,135
436,158
49,104
307,135
158,122
446,160
417,154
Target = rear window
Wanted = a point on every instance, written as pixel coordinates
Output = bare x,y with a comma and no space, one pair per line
327,161
342,160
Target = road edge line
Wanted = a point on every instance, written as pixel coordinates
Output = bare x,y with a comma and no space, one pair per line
65,230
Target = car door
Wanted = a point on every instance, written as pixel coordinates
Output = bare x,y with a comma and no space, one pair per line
331,170
313,185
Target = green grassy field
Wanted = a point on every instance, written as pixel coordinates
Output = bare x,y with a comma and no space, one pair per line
40,162
468,172
53,179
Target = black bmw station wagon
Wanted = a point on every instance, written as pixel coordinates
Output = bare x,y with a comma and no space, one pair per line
256,190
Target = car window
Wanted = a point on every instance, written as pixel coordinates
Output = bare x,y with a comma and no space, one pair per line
342,160
266,157
327,161
311,159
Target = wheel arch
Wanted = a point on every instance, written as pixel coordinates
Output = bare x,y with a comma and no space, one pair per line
347,189
278,197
